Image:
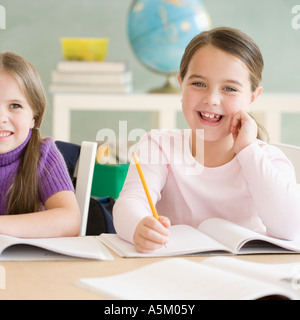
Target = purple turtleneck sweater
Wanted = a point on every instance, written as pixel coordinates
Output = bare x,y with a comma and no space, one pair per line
52,171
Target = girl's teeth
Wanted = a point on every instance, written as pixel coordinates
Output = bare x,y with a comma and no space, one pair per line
211,116
4,134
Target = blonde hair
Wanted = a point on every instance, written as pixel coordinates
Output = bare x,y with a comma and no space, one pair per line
23,195
235,42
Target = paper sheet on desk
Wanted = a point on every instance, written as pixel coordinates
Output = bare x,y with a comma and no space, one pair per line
214,278
55,249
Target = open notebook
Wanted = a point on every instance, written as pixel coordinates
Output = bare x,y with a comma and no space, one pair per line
70,248
224,278
213,236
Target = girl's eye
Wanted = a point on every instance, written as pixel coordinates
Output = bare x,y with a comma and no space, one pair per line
14,106
198,84
229,89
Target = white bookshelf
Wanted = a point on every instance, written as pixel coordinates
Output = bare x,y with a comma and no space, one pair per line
268,109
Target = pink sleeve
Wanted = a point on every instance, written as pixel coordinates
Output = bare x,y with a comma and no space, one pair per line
132,205
272,184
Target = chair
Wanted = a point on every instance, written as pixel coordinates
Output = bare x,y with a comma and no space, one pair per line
293,154
80,161
86,165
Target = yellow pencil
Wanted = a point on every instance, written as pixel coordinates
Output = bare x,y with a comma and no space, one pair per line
139,168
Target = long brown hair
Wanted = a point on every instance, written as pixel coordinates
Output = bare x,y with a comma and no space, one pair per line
235,42
23,195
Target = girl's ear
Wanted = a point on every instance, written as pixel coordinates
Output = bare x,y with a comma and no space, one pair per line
32,123
258,91
179,80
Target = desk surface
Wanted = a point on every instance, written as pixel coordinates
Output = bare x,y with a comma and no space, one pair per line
56,280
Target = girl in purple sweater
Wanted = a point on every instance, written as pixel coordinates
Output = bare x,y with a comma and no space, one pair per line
36,195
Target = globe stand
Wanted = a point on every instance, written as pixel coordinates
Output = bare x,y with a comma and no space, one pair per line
171,87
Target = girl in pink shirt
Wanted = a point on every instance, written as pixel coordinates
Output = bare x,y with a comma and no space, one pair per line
226,172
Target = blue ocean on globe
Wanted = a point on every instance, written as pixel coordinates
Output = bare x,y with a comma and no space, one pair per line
160,30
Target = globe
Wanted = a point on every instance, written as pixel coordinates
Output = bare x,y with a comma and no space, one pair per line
160,30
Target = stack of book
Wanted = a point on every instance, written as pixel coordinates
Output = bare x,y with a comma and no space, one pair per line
91,77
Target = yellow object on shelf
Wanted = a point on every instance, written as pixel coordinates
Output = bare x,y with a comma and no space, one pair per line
88,49
105,155
102,150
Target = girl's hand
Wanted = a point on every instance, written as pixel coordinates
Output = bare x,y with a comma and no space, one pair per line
151,234
244,131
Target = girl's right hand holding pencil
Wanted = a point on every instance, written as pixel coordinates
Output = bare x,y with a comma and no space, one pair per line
151,234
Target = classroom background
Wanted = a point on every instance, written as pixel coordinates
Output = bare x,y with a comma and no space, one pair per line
34,28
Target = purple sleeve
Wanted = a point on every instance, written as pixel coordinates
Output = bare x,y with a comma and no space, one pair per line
52,172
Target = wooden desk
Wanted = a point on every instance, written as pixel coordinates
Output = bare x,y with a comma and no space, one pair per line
56,280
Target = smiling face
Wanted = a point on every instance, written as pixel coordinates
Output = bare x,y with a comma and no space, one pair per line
215,87
16,116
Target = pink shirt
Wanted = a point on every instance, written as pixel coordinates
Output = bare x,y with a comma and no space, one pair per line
257,189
